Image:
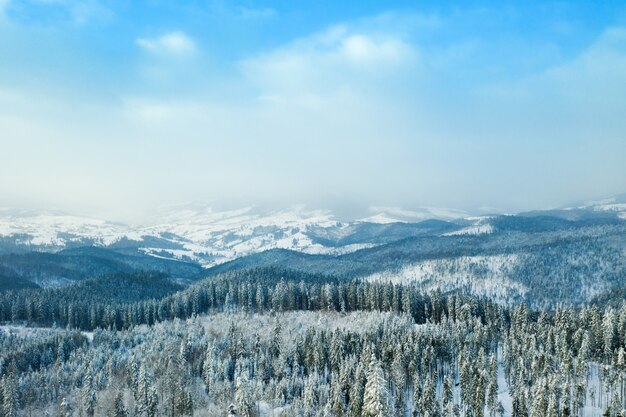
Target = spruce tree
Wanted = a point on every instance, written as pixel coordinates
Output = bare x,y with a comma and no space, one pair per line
88,395
376,395
243,398
10,403
119,408
207,369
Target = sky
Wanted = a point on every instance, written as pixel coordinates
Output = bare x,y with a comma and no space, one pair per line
112,108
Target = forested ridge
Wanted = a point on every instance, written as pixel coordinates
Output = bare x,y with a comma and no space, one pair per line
35,268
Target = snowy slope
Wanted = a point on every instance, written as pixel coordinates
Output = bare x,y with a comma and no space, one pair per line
214,237
479,275
384,215
196,232
616,204
55,229
479,226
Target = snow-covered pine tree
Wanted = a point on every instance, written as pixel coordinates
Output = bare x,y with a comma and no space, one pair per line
429,404
309,397
152,402
207,369
608,333
119,408
399,378
243,398
519,404
88,394
492,396
337,400
357,389
376,395
336,351
146,400
553,402
539,403
10,403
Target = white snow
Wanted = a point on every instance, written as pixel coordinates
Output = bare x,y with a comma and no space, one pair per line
475,229
210,237
57,229
336,250
615,204
397,214
25,332
381,218
198,232
481,275
202,234
610,207
231,234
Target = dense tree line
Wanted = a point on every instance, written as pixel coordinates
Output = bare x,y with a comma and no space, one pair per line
259,290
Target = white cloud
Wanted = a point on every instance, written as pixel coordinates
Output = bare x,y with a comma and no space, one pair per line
362,48
172,43
337,59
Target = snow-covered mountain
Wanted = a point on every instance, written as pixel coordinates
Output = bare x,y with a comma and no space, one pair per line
569,255
385,215
212,237
199,233
209,237
611,207
615,204
54,229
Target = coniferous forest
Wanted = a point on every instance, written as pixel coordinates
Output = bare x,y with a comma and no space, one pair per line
272,342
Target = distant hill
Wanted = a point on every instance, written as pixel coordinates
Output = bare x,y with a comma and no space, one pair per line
570,255
34,269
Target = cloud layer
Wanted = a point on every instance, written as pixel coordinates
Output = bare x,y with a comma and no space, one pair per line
396,109
174,43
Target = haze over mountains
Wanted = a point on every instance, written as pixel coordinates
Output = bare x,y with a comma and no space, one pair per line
508,257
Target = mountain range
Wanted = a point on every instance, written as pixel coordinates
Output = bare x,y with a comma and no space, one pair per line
572,254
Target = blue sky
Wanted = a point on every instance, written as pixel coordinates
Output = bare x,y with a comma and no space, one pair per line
112,108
